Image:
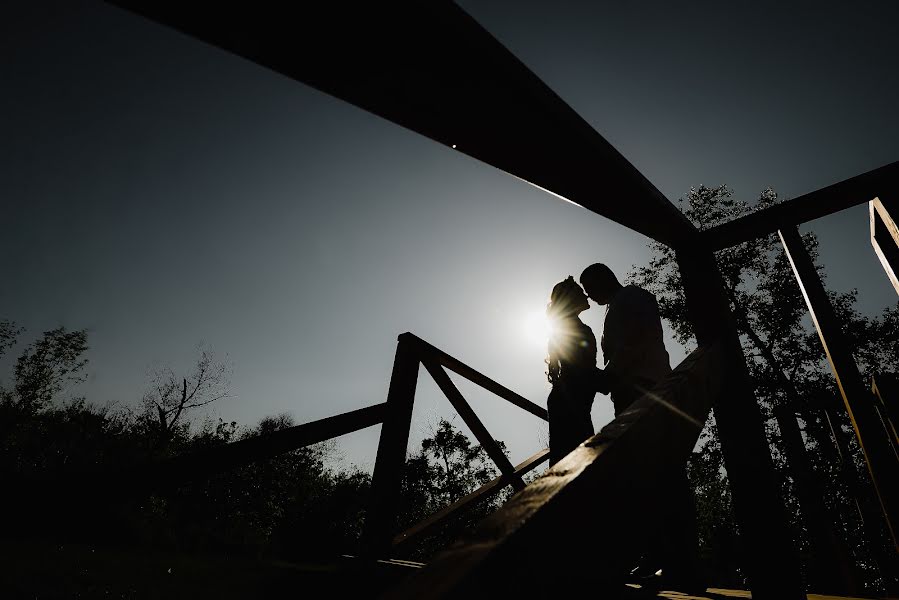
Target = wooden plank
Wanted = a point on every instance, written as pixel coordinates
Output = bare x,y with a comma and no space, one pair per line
480,379
88,490
205,463
882,182
879,455
444,77
830,567
770,560
885,237
380,518
468,415
587,516
489,489
885,387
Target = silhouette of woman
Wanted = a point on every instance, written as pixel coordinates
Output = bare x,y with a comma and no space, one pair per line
572,368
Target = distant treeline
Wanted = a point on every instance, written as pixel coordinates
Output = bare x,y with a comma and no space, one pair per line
296,505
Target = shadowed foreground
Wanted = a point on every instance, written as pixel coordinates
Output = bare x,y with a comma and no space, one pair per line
41,570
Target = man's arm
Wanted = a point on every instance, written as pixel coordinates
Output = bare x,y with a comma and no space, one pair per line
603,381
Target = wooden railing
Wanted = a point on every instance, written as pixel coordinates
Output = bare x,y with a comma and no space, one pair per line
379,534
590,513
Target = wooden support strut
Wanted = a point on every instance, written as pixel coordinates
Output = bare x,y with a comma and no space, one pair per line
203,463
772,564
879,456
456,366
883,181
885,236
468,415
388,472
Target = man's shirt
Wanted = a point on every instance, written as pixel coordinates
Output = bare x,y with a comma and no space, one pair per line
632,344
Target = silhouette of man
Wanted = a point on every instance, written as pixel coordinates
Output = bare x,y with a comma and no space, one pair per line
632,346
635,360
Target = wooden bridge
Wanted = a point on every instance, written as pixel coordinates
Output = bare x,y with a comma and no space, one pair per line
429,67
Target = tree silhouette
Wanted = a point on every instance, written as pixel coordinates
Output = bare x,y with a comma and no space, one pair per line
9,334
47,366
170,398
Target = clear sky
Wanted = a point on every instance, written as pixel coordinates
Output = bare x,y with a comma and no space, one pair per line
162,193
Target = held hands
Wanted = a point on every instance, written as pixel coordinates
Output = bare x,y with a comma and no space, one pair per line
601,381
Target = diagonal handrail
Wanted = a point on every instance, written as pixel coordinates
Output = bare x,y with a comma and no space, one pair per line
488,490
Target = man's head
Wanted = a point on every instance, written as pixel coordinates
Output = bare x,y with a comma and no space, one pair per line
600,283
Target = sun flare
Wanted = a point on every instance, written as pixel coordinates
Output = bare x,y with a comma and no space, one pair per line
537,328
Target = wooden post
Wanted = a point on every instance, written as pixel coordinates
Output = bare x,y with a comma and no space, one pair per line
377,537
837,450
885,237
772,563
885,388
830,567
879,456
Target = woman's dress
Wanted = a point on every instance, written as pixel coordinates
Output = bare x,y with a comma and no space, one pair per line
571,397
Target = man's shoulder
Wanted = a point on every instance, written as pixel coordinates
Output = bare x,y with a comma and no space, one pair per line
632,299
632,291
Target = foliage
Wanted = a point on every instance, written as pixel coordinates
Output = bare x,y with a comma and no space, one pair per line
46,366
446,468
9,333
171,398
295,505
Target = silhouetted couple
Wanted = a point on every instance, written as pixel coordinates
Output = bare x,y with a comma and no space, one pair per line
632,347
635,360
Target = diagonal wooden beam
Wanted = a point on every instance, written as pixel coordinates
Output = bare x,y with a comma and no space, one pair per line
457,366
431,68
882,461
468,415
882,182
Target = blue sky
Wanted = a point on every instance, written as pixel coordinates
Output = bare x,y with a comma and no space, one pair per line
162,193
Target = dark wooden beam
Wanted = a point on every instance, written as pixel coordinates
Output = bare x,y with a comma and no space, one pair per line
830,568
457,366
769,558
380,518
885,387
204,463
885,235
584,521
468,415
431,68
879,453
882,182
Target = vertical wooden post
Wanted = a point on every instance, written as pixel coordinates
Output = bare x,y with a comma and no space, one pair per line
386,479
879,456
830,567
772,563
836,450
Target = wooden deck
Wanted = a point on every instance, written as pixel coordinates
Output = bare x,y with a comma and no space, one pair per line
636,593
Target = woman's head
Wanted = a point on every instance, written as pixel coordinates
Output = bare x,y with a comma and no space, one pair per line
567,299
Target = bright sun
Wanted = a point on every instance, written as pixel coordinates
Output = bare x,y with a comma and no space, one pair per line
537,328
